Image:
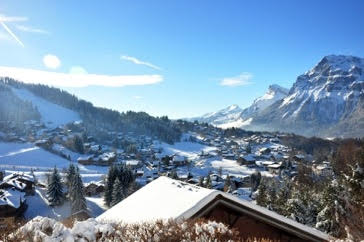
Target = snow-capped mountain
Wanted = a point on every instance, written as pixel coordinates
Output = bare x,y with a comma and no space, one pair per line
274,93
226,115
325,101
234,116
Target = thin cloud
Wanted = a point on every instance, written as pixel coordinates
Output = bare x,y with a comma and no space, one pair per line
241,80
139,62
31,29
77,80
4,18
137,97
9,19
12,34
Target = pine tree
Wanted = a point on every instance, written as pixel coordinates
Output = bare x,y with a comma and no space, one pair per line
117,193
78,200
174,175
327,219
78,144
70,175
227,184
55,191
262,197
109,185
208,182
248,148
220,171
200,181
33,176
255,181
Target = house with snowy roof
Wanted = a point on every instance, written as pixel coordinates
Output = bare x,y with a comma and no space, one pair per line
12,205
165,198
19,181
179,160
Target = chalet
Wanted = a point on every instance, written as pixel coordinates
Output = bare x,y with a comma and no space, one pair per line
44,143
274,168
12,205
172,199
179,160
299,158
247,159
18,181
103,159
133,164
264,151
139,173
323,169
93,188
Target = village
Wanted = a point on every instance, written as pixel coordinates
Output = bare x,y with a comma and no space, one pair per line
205,156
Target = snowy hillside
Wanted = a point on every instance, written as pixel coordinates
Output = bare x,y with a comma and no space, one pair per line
52,115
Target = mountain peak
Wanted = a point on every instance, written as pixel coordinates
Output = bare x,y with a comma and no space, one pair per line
233,107
331,63
277,88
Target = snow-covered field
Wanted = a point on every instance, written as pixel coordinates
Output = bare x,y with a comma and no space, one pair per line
189,149
52,114
26,156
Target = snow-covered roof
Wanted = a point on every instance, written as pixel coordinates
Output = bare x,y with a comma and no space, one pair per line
249,157
132,162
178,158
165,198
11,197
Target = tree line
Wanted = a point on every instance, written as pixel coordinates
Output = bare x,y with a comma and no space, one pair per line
98,119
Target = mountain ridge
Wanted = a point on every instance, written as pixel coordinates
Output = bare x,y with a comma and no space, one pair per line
325,101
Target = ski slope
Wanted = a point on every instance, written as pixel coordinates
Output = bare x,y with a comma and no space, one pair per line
52,115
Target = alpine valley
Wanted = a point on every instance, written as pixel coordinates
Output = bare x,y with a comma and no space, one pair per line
326,101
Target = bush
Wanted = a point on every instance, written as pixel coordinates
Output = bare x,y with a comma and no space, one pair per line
46,229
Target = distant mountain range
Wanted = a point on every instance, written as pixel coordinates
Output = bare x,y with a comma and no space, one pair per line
326,101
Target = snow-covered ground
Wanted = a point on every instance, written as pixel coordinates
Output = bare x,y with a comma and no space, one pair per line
26,156
202,167
188,149
38,206
52,114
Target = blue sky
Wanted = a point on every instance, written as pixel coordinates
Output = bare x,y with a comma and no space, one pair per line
187,57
